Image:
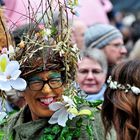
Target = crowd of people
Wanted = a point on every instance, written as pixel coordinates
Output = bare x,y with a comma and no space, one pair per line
63,80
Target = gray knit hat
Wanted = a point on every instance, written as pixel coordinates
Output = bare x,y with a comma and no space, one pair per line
99,35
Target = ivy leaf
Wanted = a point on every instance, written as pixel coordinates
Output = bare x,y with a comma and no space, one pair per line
77,133
47,130
56,129
96,103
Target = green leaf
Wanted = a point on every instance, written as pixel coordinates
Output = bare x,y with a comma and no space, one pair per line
53,30
56,129
89,129
79,122
69,137
49,137
77,133
47,130
1,133
96,103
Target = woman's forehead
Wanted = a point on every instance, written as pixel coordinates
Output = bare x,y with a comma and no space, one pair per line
49,74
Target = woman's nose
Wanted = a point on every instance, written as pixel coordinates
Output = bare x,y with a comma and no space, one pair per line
90,75
47,90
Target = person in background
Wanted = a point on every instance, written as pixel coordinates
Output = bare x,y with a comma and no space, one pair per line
109,39
121,105
5,38
91,76
78,31
135,52
91,73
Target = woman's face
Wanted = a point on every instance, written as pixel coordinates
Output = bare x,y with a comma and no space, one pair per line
90,76
38,97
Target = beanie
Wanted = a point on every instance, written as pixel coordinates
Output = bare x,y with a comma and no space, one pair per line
99,35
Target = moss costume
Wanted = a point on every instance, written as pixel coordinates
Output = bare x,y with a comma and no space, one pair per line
20,127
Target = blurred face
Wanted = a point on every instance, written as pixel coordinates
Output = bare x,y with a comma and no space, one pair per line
115,51
90,76
43,89
78,35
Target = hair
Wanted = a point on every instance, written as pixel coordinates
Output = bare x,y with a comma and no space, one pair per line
121,110
135,52
96,54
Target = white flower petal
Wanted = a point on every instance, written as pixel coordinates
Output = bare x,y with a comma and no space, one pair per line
19,84
65,98
55,106
11,49
62,118
68,100
71,116
2,115
54,118
5,86
135,90
15,74
11,67
3,78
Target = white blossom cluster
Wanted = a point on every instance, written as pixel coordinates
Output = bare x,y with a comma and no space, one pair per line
128,87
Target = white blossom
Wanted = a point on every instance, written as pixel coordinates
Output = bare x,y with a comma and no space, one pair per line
62,113
9,75
113,85
136,90
2,116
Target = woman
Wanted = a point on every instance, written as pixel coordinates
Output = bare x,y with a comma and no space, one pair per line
42,68
91,73
121,106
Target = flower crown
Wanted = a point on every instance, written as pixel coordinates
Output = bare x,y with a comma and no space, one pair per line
115,85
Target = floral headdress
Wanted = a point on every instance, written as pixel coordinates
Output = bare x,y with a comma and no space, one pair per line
126,88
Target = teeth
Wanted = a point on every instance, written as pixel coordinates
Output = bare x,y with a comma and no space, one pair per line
46,101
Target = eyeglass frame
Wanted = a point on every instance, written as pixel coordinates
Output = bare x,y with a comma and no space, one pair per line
43,83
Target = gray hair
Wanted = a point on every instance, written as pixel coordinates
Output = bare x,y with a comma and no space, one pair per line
96,54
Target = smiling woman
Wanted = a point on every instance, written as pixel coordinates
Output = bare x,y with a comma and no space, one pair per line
41,67
91,73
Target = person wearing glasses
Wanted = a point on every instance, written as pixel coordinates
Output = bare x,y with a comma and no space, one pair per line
109,39
42,68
